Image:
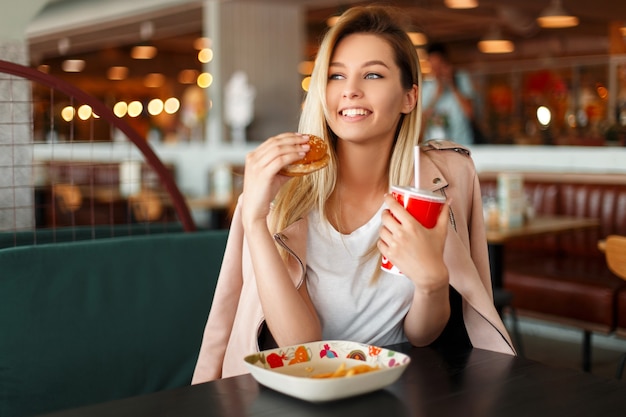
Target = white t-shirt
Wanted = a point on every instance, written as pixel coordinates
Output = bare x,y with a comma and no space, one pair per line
339,281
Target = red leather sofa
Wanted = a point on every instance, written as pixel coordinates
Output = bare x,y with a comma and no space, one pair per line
564,278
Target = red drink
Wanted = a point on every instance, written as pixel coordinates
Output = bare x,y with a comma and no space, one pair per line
423,205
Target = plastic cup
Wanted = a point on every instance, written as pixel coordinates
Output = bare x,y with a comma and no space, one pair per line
423,205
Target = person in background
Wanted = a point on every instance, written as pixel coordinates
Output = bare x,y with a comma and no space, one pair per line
303,257
448,99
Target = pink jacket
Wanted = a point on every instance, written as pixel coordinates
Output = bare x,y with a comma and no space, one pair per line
236,317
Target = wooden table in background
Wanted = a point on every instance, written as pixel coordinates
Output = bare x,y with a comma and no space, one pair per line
219,209
540,225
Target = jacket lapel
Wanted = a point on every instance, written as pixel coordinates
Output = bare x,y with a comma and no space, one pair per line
293,238
477,305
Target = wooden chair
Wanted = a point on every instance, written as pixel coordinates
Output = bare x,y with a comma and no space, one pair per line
615,252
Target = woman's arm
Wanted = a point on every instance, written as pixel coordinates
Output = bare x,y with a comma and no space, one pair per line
418,252
289,312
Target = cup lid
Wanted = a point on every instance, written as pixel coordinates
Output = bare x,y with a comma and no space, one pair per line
428,194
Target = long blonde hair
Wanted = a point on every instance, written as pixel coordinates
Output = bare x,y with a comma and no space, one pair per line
302,194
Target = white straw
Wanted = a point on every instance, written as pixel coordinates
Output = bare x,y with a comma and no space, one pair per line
416,167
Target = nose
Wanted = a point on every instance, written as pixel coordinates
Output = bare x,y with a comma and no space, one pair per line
352,89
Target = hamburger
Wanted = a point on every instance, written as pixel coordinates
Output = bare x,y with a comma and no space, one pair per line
316,158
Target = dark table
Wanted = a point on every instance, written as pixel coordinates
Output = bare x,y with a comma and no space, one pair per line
437,383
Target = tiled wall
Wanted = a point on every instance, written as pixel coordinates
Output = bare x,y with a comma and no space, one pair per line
16,196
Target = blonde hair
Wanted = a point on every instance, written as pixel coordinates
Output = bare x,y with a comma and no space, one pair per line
302,194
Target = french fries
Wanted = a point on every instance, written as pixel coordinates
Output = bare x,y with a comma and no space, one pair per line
341,371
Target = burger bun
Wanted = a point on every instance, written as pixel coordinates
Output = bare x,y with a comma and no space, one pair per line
315,159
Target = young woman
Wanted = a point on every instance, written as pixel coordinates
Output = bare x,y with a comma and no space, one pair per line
302,261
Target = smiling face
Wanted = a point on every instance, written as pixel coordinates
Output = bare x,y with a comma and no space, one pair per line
364,94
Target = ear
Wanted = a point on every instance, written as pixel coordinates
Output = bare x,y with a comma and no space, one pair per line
410,100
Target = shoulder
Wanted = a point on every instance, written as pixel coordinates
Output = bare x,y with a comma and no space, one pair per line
445,145
452,159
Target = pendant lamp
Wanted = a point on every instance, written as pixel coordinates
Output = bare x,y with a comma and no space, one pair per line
554,17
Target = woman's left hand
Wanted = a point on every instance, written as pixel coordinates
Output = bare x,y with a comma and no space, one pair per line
414,249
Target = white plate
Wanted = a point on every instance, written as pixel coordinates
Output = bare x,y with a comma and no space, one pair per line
289,369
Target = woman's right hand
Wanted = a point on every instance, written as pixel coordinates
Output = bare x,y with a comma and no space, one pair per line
262,179
288,310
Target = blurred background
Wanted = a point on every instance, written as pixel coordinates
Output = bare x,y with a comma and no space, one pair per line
165,49
545,72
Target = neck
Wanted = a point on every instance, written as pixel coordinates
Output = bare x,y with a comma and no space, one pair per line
362,181
363,169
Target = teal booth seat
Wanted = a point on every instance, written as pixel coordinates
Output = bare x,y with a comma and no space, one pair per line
42,236
92,321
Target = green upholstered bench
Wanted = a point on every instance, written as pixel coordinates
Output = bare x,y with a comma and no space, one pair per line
10,239
91,321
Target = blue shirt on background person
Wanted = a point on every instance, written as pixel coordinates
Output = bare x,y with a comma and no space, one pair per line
447,100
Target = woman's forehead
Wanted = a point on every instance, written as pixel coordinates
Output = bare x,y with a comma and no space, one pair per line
364,47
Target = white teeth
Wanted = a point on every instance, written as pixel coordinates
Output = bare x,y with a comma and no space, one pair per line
354,112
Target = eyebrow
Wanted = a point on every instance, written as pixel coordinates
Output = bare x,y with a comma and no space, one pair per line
366,64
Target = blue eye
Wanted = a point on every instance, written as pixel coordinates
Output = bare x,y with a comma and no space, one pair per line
336,77
373,76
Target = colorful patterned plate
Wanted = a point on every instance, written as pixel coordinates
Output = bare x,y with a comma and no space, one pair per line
290,370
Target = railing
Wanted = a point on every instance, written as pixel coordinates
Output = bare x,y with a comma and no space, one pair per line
87,192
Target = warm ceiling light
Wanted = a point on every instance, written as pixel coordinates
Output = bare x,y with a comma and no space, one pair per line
205,55
155,107
73,65
305,67
143,52
187,76
306,82
495,43
204,80
332,21
544,116
418,38
496,46
67,113
84,112
171,105
135,108
117,73
622,31
554,17
154,80
461,4
120,108
201,43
